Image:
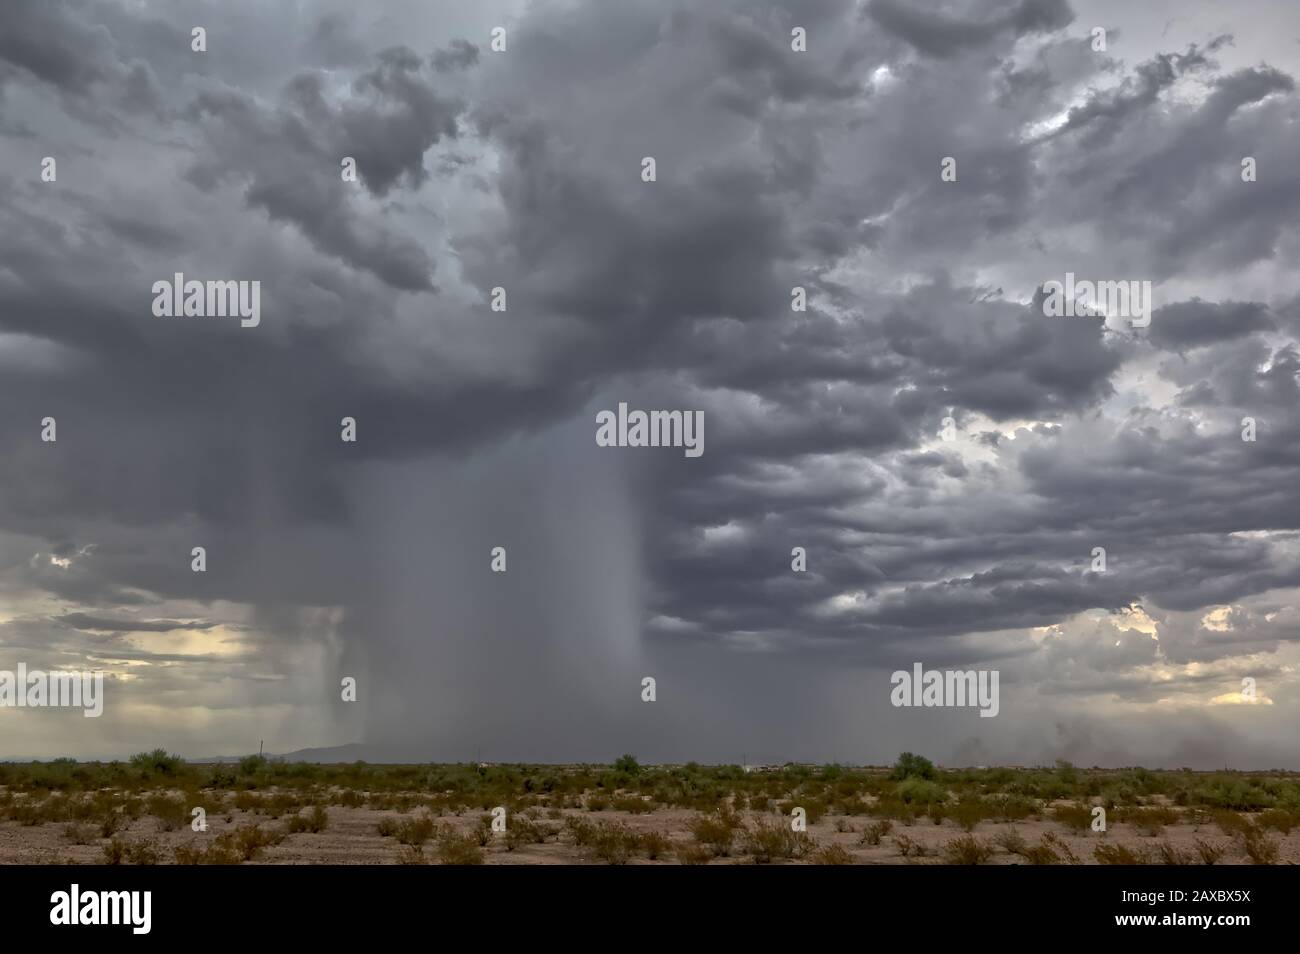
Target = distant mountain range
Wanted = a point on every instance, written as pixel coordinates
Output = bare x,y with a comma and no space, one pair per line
352,752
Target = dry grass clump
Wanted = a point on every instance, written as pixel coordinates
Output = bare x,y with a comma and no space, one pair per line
967,850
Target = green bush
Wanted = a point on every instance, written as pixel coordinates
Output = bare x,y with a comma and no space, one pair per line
917,791
157,764
912,766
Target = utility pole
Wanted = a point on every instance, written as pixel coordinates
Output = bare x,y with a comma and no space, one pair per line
260,743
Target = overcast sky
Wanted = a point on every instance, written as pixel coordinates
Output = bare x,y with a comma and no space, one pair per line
824,429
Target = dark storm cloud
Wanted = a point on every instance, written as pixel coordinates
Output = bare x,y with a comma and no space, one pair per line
289,160
98,624
775,169
460,54
945,35
1195,323
52,43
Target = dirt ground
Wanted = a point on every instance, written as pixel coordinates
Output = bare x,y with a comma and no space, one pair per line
352,837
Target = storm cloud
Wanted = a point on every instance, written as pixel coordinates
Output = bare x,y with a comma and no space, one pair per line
948,456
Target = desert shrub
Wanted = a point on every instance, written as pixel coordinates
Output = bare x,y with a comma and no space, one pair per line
614,843
716,831
583,831
969,812
1150,821
412,855
872,834
690,854
1229,822
655,845
457,849
1210,852
918,791
281,803
832,855
912,766
627,765
247,802
1168,854
110,823
315,821
244,843
1043,853
1073,815
388,827
115,852
157,763
348,799
523,830
251,765
771,841
633,805
1260,848
1115,854
53,809
1234,794
1010,841
189,853
908,848
1013,807
1278,819
78,834
1060,848
170,812
843,825
415,831
967,850
142,853
222,851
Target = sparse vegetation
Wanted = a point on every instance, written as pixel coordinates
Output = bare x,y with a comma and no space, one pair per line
872,834
457,849
967,850
1117,854
139,810
1259,847
775,841
832,855
907,847
1210,852
314,821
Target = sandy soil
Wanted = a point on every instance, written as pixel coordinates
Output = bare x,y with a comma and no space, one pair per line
352,838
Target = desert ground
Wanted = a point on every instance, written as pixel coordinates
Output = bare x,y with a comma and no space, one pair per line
259,811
